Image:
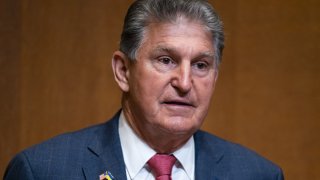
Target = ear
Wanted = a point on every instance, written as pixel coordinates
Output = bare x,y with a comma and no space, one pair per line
120,67
216,74
215,78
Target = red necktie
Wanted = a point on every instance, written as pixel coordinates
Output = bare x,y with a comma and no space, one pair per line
161,165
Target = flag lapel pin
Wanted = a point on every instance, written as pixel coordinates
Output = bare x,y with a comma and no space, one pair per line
106,176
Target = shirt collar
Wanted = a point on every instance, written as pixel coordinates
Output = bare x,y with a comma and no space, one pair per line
186,157
136,152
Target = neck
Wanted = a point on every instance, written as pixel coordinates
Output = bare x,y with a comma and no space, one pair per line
161,140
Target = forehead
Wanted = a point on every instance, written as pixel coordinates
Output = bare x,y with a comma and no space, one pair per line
181,34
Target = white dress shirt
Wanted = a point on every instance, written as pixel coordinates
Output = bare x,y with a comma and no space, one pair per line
136,153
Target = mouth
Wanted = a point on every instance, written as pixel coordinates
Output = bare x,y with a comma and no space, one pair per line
178,103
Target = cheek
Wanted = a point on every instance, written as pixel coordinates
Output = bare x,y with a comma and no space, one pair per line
148,88
205,91
154,84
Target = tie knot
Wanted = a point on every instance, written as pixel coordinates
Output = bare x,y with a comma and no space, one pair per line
161,165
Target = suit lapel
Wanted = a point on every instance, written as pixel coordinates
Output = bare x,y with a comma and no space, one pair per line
208,157
104,152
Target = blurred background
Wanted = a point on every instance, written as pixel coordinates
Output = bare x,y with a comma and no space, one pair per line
55,75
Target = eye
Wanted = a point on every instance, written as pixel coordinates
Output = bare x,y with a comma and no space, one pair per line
201,68
166,60
201,65
164,63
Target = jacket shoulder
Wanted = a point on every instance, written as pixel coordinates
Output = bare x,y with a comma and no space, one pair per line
61,155
235,158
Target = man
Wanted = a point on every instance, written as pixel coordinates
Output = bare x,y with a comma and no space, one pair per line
167,67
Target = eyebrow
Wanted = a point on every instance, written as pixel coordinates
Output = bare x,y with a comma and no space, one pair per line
171,50
162,48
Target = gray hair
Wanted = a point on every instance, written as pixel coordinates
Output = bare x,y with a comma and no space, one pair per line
142,12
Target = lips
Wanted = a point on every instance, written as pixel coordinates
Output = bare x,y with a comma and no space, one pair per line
178,103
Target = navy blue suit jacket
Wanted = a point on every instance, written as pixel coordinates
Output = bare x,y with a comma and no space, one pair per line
87,153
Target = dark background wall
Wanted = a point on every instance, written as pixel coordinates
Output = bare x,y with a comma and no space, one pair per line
55,75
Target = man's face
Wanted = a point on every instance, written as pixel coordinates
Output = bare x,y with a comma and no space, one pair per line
173,78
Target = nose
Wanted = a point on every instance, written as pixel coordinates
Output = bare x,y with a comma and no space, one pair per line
182,79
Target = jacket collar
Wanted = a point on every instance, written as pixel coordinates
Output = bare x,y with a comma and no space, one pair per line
104,152
209,154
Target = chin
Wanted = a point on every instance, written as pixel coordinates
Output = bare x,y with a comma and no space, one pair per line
181,128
